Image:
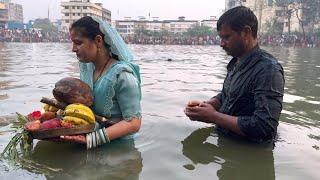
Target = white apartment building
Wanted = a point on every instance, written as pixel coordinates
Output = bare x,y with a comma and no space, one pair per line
15,12
128,26
125,27
4,15
73,10
212,22
154,25
10,12
179,26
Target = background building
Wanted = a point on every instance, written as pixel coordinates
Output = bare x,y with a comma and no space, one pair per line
179,26
4,15
11,14
75,9
233,3
212,22
266,12
15,12
283,16
129,27
125,27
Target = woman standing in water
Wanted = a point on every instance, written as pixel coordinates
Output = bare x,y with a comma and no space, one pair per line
105,65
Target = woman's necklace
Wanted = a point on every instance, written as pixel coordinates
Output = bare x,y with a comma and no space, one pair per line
102,70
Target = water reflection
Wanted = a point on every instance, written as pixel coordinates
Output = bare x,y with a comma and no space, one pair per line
238,159
117,160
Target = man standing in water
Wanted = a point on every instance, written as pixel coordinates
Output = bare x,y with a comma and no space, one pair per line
250,102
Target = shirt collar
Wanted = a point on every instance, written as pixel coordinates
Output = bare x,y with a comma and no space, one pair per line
243,61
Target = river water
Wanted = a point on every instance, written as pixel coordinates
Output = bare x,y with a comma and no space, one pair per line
168,146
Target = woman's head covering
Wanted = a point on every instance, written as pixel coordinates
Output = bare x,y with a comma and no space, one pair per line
117,46
113,38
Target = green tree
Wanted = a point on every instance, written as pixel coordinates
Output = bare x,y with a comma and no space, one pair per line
288,11
45,25
306,11
273,26
197,31
143,32
164,33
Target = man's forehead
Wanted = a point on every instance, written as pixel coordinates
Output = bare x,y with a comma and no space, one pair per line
225,27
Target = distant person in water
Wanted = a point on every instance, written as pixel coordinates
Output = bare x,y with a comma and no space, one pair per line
250,102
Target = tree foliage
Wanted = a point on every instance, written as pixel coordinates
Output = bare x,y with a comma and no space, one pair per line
274,27
196,31
45,25
199,31
306,11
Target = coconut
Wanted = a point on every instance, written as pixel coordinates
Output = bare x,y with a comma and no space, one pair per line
72,90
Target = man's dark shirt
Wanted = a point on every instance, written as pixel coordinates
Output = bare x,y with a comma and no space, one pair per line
253,91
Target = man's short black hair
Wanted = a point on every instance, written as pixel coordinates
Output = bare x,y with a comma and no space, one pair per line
237,18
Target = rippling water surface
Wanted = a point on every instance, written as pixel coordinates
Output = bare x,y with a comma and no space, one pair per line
168,146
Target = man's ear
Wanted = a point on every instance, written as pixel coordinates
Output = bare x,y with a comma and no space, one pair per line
247,31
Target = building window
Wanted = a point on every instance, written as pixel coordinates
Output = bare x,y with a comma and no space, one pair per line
66,14
270,2
84,7
85,14
78,14
73,7
67,21
78,7
66,7
73,14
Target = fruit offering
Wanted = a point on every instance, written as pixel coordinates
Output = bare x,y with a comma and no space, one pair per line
74,115
72,90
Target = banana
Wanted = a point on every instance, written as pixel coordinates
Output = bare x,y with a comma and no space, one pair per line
80,111
79,106
74,120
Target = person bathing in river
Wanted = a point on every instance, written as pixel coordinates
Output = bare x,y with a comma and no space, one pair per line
250,102
105,65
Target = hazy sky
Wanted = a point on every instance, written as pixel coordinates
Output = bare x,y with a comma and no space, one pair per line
164,9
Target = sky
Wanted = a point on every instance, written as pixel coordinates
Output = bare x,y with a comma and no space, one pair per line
164,9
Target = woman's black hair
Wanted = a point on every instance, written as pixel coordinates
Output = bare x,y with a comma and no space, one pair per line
237,18
89,28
